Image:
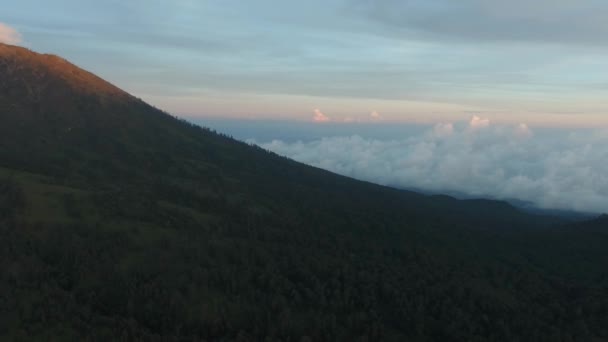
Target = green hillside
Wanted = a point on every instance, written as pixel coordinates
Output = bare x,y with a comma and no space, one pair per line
119,222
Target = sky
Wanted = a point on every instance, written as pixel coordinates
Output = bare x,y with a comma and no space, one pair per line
540,63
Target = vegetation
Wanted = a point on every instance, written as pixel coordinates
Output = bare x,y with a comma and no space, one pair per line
120,222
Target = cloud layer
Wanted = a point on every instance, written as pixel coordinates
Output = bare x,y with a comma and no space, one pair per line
552,169
9,35
539,21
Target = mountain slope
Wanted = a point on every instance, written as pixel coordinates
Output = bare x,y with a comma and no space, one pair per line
122,222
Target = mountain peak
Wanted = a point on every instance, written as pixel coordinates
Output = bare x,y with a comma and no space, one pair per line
15,51
48,104
27,75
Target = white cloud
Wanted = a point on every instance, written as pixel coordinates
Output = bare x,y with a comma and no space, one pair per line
550,169
539,21
9,35
320,117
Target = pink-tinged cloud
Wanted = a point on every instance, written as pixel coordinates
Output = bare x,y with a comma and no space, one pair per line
9,35
477,122
320,117
375,116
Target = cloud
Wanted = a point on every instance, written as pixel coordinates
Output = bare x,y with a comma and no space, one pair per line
9,35
550,168
540,21
320,117
477,122
375,116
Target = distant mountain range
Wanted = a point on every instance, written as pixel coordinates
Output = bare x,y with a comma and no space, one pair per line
526,206
121,222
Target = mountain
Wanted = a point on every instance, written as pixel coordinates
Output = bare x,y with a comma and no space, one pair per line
121,222
598,224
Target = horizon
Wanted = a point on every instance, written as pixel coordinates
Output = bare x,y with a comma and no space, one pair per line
338,61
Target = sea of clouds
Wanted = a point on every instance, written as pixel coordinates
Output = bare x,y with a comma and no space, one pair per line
554,169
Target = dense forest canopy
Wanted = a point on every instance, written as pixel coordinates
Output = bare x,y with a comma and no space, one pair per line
121,222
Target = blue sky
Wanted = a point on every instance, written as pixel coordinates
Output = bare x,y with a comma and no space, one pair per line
539,62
